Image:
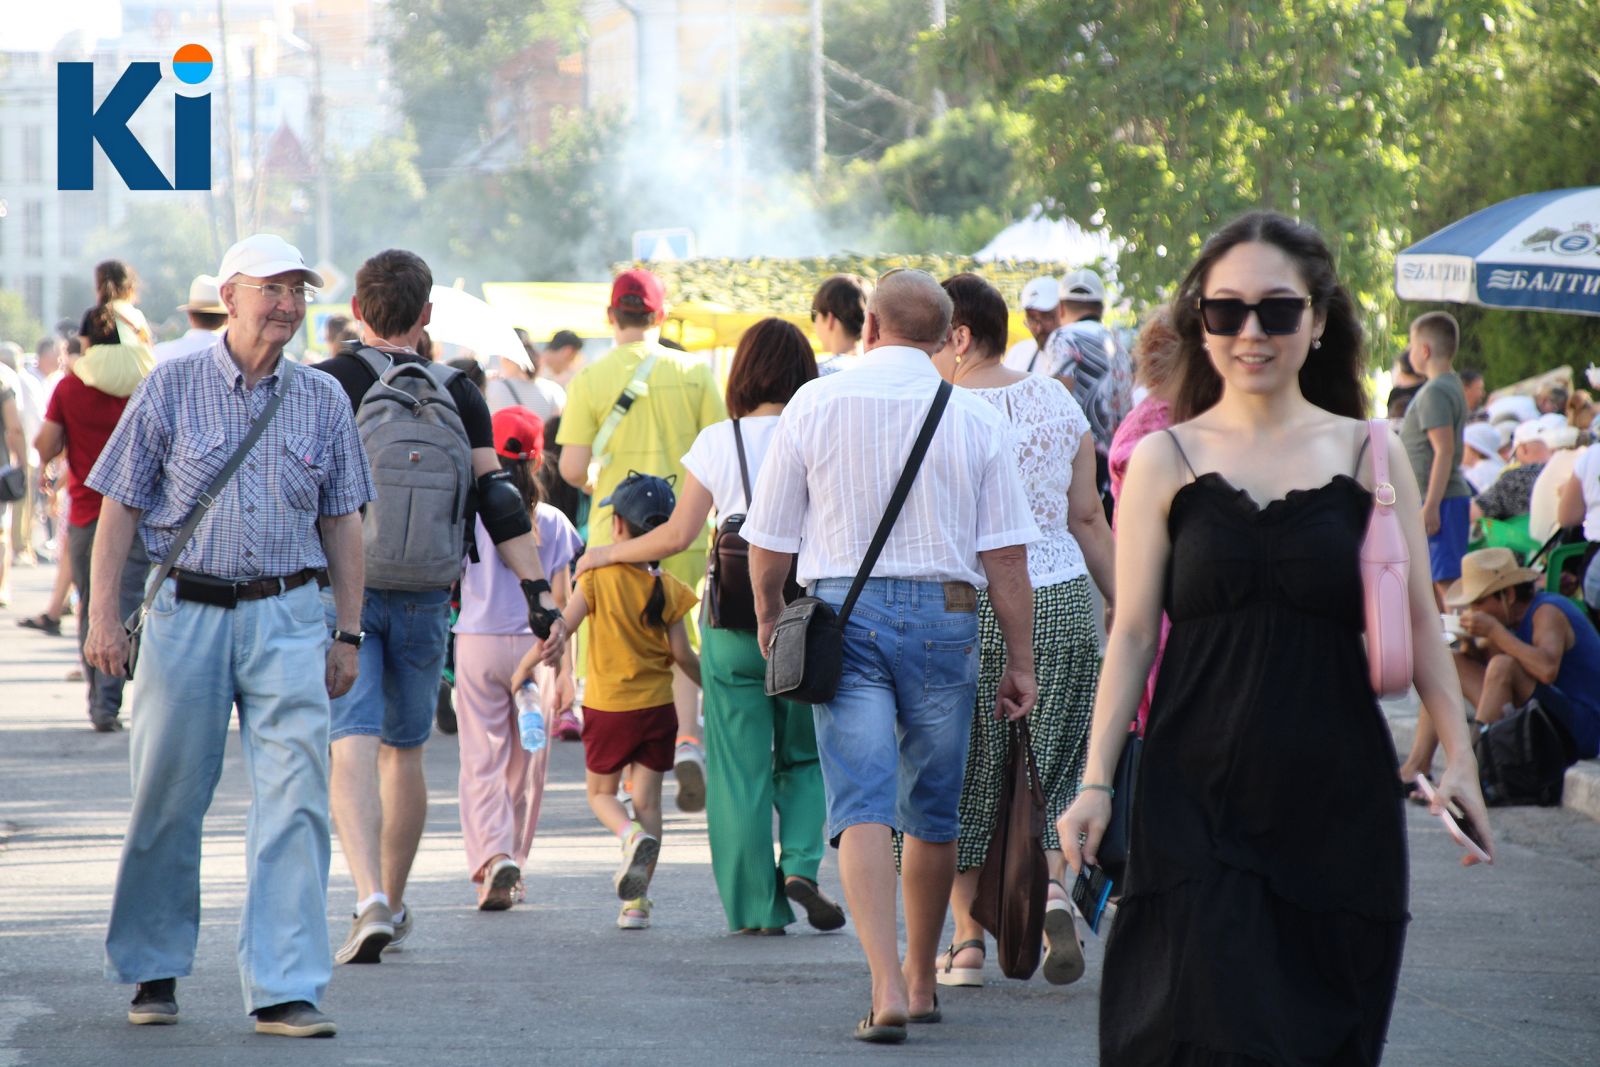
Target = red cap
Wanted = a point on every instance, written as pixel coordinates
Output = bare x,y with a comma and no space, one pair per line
518,433
638,290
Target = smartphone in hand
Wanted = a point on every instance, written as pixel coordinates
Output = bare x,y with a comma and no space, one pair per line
1090,893
1455,822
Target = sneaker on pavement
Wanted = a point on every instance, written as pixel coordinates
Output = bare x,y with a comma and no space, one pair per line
370,932
155,1003
497,891
402,929
635,914
690,768
638,853
568,728
298,1018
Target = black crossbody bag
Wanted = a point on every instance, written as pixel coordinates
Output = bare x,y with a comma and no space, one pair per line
730,599
134,624
806,656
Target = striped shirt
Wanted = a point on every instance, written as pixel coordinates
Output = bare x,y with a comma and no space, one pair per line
177,433
838,452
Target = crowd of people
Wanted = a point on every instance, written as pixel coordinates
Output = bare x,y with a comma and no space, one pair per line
607,546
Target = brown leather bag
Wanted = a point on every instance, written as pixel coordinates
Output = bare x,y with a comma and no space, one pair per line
730,597
1011,883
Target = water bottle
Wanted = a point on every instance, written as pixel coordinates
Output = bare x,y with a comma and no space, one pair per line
530,719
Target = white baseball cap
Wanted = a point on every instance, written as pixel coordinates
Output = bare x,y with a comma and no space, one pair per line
1527,432
1041,294
1559,437
1552,420
1482,438
1083,285
261,255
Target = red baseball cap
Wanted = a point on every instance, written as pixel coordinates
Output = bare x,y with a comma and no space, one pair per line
518,433
638,290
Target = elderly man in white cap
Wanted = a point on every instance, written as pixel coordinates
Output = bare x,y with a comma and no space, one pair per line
1512,492
207,317
1041,311
1480,459
239,620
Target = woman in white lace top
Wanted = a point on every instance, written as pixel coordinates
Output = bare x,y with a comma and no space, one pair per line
1056,457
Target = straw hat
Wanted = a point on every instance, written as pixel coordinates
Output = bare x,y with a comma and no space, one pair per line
1486,571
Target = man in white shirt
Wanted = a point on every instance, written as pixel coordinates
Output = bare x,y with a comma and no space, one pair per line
207,318
893,741
1041,311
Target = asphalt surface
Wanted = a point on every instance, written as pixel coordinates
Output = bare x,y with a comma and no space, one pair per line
1502,965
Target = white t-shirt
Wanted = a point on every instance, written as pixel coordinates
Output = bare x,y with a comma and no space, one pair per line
1020,356
1587,471
1544,505
541,396
713,459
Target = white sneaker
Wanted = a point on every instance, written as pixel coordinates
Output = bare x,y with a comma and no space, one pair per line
689,767
635,914
1063,957
638,853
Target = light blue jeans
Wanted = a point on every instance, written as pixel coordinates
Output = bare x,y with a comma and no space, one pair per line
197,661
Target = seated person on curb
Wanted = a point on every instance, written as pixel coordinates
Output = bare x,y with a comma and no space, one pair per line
1526,645
1512,492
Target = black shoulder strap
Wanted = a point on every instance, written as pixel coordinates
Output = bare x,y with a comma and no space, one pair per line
1181,453
744,467
897,501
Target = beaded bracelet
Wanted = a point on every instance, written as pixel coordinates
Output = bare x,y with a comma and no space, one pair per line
1106,789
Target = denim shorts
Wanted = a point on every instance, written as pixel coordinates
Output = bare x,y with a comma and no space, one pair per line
402,661
893,742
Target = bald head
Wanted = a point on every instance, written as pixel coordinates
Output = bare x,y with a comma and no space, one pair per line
910,308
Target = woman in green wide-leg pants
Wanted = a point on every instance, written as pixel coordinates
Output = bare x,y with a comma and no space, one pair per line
761,754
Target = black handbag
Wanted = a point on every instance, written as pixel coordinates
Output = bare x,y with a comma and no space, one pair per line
806,656
1117,842
730,598
13,483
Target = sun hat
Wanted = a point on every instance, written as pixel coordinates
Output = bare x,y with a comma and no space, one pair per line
1559,437
1486,571
1482,438
518,433
203,296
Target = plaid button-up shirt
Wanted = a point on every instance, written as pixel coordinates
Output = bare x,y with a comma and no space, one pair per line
178,431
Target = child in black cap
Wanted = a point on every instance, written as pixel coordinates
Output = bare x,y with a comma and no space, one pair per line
636,634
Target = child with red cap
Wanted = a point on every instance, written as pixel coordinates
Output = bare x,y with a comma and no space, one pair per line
501,784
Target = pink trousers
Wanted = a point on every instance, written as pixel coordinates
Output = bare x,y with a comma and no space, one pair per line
502,785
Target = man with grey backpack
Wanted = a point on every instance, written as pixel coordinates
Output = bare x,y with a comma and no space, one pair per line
429,439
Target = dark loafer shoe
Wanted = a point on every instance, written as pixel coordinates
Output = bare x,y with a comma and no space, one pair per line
155,1003
298,1018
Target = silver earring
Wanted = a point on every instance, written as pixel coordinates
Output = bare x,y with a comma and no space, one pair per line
1316,342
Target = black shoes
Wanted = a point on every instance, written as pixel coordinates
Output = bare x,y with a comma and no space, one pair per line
155,1003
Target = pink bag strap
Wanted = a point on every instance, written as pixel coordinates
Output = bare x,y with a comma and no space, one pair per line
1383,493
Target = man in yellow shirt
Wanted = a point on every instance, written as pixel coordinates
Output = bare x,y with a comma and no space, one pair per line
618,420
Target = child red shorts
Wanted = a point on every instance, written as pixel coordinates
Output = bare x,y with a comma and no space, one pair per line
614,739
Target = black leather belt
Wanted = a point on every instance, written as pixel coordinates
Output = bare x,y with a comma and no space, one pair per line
224,593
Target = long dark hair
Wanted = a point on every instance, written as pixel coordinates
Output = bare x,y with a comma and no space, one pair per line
113,280
773,360
524,475
1331,377
655,608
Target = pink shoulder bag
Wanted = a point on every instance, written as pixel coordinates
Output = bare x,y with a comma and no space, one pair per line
1385,577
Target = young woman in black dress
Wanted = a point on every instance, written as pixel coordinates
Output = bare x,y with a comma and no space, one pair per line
1264,909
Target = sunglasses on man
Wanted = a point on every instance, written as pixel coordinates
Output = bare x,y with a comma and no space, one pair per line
1278,315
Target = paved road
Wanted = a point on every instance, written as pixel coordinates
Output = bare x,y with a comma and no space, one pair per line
1502,968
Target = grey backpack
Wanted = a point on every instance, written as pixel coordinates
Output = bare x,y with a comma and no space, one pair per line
413,533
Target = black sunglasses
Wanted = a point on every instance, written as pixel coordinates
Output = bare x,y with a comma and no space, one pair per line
1278,315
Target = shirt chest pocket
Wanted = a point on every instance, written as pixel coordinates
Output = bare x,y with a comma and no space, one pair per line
197,458
301,472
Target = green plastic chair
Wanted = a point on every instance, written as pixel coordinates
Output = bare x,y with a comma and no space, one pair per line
1510,533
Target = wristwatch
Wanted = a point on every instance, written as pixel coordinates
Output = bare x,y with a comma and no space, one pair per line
348,638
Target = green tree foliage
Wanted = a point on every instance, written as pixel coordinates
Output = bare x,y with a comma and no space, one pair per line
17,322
1536,132
1162,120
444,54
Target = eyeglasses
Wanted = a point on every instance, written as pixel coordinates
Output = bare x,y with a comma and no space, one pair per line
1278,315
276,291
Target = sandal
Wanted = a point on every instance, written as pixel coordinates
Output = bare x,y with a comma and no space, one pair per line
821,913
874,1032
931,1016
1063,955
42,622
951,975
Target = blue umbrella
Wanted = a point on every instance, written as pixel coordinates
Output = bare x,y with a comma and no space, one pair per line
1539,252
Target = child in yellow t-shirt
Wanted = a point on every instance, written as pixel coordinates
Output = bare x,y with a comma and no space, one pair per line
636,634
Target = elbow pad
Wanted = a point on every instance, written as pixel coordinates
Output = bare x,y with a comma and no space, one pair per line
500,507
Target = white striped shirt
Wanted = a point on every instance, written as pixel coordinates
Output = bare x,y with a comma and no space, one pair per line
839,449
